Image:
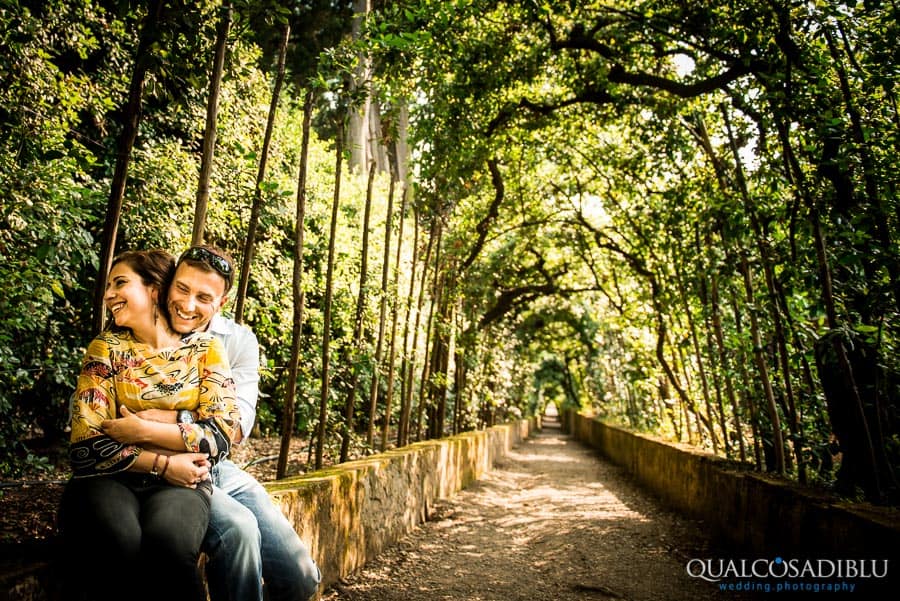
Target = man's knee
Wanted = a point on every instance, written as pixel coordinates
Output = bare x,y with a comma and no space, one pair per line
311,578
290,572
233,532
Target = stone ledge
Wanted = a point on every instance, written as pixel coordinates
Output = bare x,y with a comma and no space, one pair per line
748,510
349,513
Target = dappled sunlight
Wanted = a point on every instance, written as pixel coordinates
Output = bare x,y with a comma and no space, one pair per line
536,457
552,521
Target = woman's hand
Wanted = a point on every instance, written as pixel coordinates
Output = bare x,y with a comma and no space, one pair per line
128,429
187,469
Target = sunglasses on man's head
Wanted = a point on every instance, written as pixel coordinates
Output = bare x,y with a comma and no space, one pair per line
218,263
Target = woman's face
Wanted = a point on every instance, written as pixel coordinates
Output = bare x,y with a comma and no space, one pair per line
129,300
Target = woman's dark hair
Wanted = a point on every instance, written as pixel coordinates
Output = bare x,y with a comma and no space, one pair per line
156,268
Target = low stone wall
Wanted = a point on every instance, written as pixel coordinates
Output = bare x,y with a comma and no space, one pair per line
349,513
752,511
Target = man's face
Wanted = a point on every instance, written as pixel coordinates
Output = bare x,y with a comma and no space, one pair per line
195,296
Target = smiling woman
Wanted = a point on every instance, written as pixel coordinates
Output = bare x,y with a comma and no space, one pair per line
128,501
134,293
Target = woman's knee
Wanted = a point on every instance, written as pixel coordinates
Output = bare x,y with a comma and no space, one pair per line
174,522
101,513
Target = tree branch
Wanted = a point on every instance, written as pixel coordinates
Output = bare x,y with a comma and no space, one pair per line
685,90
493,211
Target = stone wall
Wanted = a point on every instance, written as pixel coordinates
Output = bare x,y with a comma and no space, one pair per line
349,513
752,511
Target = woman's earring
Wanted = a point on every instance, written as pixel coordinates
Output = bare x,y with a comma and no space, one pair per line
155,314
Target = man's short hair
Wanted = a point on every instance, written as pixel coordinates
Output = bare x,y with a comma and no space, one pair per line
210,259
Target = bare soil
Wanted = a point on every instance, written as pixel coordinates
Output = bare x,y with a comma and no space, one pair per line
28,506
553,521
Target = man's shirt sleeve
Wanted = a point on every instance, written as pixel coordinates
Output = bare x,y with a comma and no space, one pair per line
242,350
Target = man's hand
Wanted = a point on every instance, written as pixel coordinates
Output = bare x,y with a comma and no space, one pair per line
161,416
187,469
128,429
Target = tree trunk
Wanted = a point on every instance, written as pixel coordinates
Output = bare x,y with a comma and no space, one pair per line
724,366
250,242
329,295
287,426
408,362
460,374
748,392
763,369
209,135
430,329
395,315
440,361
364,122
130,121
358,321
670,373
704,382
382,317
775,309
423,285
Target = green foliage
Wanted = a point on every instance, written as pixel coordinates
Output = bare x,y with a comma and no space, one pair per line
46,254
638,205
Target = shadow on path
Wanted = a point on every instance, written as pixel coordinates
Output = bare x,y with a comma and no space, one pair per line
552,521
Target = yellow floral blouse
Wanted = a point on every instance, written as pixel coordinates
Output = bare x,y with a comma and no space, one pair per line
119,370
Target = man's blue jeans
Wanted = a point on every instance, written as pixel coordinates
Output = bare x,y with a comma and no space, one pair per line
250,540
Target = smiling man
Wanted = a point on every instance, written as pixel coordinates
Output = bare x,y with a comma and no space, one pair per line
248,539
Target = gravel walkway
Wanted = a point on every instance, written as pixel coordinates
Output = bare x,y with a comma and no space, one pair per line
552,521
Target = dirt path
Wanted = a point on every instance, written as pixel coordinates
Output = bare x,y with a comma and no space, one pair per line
551,522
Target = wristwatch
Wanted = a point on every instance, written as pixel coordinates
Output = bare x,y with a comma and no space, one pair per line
185,416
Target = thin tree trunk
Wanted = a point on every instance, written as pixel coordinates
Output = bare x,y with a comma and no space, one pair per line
698,129
774,306
670,373
382,318
414,351
256,208
209,135
395,315
130,122
845,403
440,362
329,295
724,367
763,369
408,360
287,426
704,383
358,321
747,389
459,383
429,328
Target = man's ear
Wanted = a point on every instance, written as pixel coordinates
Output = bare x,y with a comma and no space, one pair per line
222,302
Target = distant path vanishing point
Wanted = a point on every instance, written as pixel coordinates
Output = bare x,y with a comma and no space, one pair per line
552,522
